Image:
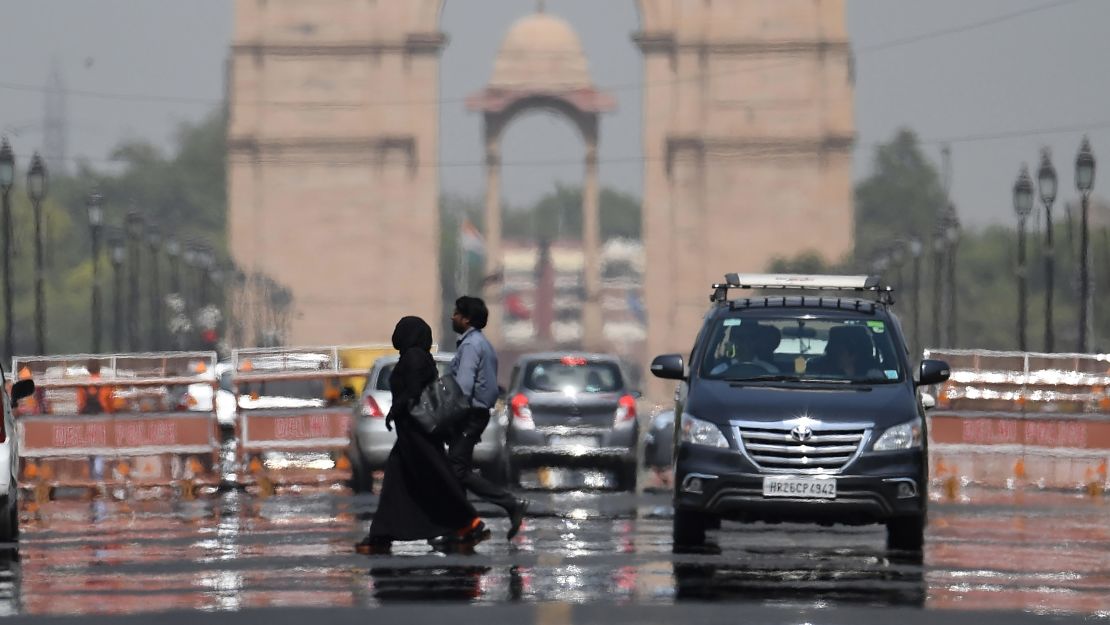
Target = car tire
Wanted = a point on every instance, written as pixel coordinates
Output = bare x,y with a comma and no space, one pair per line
689,528
905,533
362,478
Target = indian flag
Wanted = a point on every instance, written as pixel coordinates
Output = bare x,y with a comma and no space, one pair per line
470,240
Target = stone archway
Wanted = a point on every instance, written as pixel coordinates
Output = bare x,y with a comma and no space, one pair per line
541,66
747,136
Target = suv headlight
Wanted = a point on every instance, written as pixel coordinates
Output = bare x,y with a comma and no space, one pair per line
904,436
698,432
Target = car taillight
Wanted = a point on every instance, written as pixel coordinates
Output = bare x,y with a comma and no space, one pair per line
626,411
522,414
371,409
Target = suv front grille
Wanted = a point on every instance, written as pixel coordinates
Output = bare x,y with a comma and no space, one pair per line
828,448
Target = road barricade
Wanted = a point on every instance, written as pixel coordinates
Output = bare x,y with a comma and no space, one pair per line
102,422
294,416
1014,419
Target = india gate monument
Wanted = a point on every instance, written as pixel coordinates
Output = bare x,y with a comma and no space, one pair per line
334,138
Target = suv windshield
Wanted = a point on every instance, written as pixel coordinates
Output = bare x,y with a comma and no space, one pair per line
809,348
573,375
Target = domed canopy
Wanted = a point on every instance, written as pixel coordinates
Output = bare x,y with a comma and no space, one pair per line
541,51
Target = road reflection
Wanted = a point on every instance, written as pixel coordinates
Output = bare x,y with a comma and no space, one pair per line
1047,554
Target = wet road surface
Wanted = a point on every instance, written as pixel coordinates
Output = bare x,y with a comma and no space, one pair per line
1039,553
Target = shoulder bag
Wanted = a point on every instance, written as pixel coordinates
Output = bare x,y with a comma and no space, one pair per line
440,405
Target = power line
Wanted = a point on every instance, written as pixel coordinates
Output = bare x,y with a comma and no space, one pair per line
953,30
638,85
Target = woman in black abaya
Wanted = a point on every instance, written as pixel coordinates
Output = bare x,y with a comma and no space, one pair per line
421,497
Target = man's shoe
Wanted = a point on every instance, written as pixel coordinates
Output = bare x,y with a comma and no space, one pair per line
516,516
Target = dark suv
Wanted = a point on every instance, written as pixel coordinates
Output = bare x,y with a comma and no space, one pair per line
801,408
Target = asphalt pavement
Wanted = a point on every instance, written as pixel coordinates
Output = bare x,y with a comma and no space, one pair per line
584,556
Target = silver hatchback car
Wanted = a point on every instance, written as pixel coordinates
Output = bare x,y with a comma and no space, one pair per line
371,442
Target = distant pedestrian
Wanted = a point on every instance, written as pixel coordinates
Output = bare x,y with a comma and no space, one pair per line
94,398
475,369
421,497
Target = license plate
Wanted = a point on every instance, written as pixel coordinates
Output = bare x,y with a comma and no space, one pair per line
573,441
800,487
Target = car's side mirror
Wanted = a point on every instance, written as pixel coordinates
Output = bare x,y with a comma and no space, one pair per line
933,372
668,367
21,389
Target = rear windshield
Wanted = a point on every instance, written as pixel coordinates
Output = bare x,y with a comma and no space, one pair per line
832,349
383,376
573,375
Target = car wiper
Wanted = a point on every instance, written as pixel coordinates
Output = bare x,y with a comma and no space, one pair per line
787,378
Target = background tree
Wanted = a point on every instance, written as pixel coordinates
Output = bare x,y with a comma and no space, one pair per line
184,194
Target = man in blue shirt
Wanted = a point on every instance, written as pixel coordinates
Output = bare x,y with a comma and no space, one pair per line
475,369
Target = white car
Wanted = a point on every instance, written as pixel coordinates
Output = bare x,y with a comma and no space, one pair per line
371,442
9,457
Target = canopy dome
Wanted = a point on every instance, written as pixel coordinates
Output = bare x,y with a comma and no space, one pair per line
541,51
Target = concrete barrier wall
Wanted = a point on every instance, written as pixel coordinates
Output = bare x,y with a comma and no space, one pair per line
1017,419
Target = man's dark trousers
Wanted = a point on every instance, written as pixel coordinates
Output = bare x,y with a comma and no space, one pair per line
460,452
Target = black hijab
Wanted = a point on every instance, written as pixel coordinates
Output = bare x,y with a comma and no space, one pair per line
412,332
416,368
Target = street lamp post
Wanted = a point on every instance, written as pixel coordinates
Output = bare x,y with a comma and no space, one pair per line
952,239
1023,206
1084,182
119,252
153,238
96,218
36,190
134,238
7,179
173,252
938,281
1046,184
915,248
205,261
897,256
190,257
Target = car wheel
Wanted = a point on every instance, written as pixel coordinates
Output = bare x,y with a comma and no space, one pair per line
362,478
905,534
689,528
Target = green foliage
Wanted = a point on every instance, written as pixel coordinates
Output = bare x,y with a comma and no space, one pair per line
902,200
183,194
558,215
806,262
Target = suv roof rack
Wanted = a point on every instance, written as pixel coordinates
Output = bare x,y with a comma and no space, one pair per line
807,282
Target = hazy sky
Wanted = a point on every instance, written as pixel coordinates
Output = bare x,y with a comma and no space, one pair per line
138,68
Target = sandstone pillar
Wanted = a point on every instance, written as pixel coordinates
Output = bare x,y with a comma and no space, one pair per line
592,338
492,280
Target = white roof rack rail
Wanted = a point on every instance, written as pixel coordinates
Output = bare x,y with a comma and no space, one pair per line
809,282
